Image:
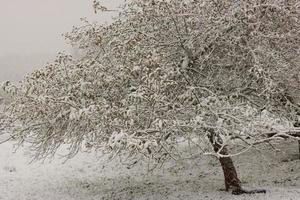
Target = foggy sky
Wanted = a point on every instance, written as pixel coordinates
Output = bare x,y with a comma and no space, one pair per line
30,31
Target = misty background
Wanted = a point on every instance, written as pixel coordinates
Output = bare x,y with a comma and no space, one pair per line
31,31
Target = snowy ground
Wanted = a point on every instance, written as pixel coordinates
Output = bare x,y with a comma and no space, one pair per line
86,178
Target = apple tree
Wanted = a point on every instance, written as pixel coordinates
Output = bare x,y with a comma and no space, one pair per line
167,75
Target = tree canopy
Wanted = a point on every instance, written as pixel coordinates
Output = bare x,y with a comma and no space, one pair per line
167,74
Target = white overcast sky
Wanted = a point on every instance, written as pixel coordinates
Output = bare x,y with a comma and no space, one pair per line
34,27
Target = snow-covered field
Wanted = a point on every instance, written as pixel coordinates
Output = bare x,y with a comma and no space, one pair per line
87,178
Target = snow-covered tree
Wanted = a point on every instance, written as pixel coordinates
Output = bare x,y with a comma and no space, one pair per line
167,75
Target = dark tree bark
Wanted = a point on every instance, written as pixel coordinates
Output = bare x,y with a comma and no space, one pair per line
299,148
232,182
230,175
297,124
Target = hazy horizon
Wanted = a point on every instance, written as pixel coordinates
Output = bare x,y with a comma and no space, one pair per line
32,31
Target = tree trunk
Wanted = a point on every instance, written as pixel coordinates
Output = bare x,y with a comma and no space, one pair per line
232,182
230,175
297,124
299,148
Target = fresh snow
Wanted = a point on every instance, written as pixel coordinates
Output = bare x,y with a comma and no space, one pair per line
86,177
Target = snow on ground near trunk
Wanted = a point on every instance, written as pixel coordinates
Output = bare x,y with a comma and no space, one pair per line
86,178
